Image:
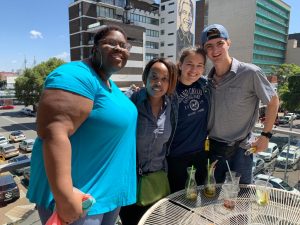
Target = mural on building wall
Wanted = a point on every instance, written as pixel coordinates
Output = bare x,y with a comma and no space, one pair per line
185,24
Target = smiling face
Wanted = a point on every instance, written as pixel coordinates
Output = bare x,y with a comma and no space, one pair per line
191,68
158,80
186,17
111,49
217,49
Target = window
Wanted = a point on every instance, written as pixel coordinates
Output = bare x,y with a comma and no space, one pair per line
150,56
162,20
170,44
162,32
172,3
162,44
170,34
162,8
170,22
162,54
153,45
105,12
152,33
170,12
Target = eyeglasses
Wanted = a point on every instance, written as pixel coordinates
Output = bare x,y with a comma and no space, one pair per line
113,44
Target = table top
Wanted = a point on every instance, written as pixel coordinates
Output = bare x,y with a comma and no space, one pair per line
282,209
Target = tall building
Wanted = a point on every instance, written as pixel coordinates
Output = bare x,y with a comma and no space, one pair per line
258,29
85,18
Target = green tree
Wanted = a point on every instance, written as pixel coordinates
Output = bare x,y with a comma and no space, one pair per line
3,84
291,97
29,86
288,76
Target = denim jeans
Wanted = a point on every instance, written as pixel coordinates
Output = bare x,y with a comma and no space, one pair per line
108,218
238,162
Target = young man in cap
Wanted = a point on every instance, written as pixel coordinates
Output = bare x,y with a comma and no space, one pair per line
237,88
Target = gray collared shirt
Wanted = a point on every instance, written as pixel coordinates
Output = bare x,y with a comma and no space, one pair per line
152,133
235,102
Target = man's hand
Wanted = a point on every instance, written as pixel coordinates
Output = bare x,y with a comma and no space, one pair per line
261,143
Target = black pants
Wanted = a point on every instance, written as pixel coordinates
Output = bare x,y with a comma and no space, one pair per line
177,169
131,214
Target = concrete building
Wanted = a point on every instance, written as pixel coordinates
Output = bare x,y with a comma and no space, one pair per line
293,49
85,18
258,29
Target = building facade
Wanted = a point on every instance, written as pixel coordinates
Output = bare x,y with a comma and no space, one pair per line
258,29
293,49
153,30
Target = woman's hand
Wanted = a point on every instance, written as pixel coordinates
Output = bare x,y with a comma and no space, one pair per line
70,209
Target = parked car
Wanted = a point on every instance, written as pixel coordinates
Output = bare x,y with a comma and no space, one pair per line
297,116
26,175
26,145
27,111
292,115
282,120
258,165
16,136
9,190
281,141
270,153
7,107
8,151
19,158
3,140
292,156
277,183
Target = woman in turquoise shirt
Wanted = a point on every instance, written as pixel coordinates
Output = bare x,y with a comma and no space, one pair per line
86,137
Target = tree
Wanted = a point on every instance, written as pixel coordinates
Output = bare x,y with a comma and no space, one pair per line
29,86
288,76
3,84
291,98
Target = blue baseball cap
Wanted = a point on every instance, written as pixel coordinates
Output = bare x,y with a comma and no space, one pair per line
213,31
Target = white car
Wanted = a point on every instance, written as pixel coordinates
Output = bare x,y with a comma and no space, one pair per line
277,183
3,140
16,136
26,145
292,115
292,157
270,153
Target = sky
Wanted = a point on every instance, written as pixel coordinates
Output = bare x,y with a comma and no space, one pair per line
37,30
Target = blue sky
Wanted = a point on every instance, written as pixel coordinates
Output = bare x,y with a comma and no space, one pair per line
40,29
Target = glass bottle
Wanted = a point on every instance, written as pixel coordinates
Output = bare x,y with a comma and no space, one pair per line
191,184
210,184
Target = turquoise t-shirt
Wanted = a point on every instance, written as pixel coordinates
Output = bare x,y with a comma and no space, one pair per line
103,147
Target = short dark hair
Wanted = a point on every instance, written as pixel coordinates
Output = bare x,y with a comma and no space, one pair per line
104,30
171,69
188,51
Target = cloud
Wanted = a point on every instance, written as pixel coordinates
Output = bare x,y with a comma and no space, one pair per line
34,34
63,55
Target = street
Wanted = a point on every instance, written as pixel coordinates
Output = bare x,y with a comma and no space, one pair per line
12,120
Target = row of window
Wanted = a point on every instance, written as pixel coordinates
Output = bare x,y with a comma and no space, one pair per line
268,41
271,24
105,12
152,33
150,56
268,49
151,44
120,3
268,58
270,33
269,5
143,19
272,15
